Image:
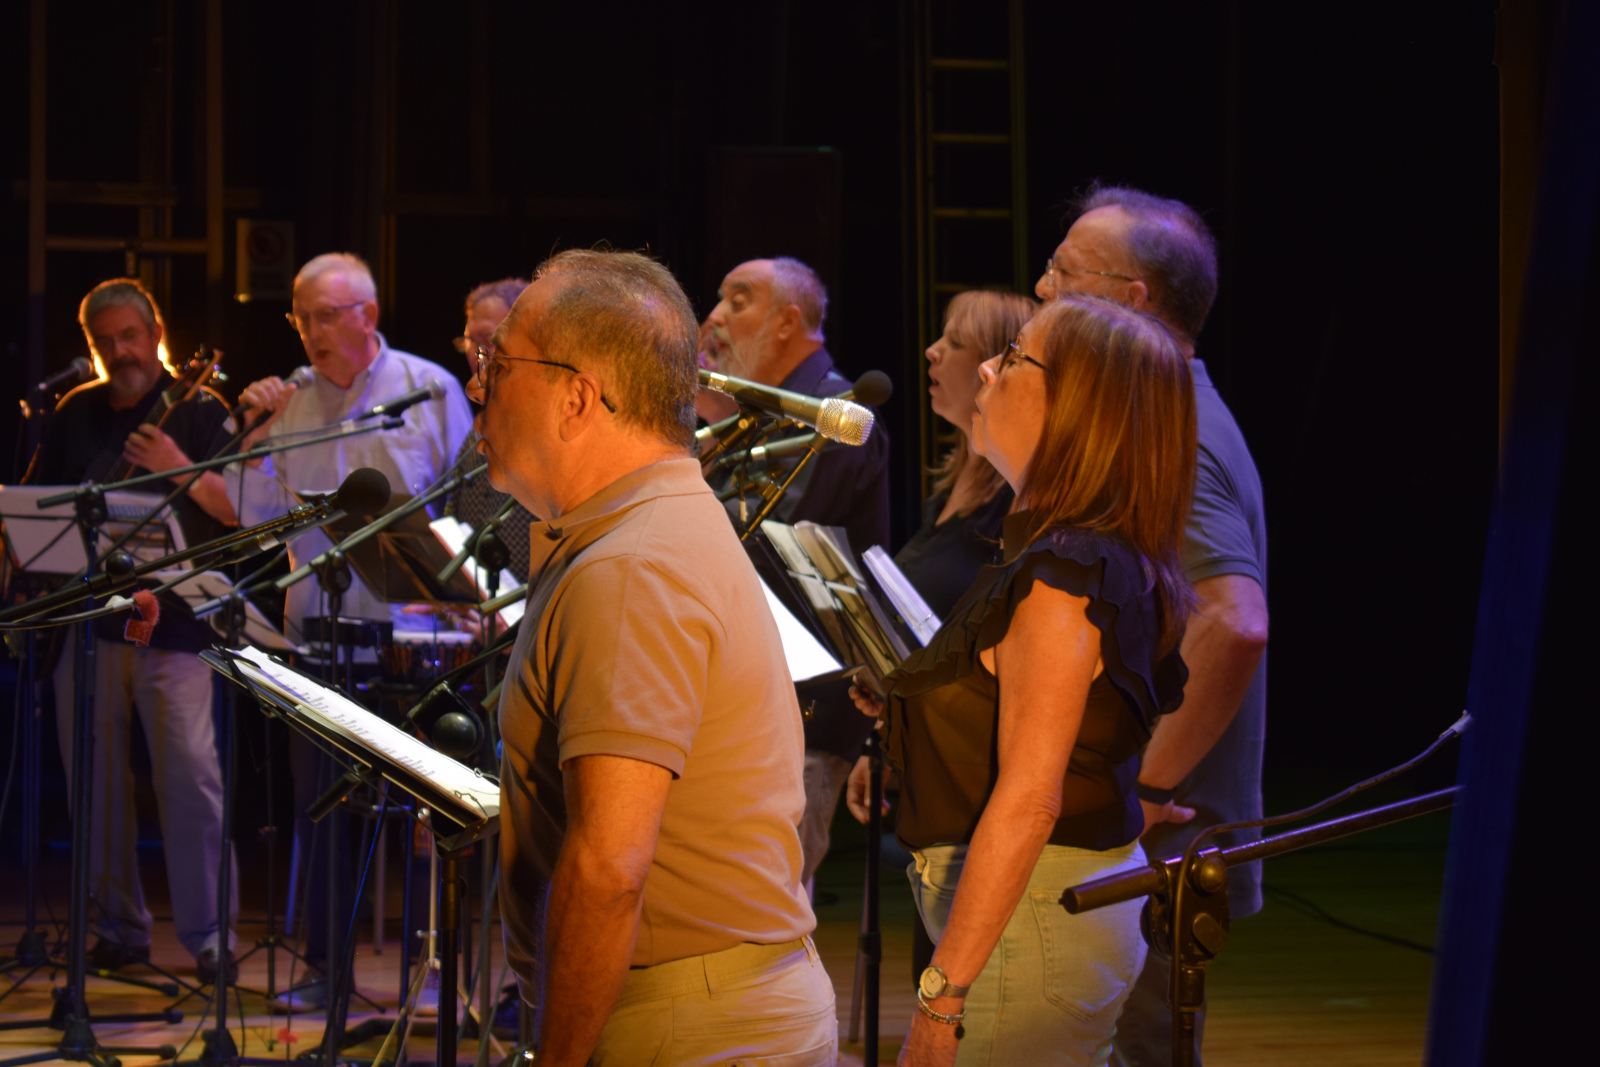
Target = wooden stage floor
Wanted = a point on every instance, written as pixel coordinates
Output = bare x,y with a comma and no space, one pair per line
1292,987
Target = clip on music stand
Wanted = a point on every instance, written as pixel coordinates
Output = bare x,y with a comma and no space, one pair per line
459,805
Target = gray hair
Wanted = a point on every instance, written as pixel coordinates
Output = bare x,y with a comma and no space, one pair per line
119,292
628,311
1172,249
506,290
352,266
795,283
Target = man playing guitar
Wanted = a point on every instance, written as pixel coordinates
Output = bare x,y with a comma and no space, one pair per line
139,417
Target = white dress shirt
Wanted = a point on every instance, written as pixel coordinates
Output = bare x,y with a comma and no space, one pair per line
412,457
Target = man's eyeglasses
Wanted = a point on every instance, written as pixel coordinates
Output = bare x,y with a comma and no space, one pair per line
488,359
301,320
1014,355
1050,268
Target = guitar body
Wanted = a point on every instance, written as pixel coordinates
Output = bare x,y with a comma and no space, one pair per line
194,376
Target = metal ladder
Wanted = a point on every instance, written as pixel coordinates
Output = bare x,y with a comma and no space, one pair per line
967,174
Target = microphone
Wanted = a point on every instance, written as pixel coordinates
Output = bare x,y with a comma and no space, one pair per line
298,379
77,372
873,389
365,491
835,419
434,390
786,447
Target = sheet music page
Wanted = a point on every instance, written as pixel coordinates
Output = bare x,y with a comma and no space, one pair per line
794,557
907,602
807,658
448,775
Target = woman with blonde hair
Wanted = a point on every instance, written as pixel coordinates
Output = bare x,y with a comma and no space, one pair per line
1016,731
961,519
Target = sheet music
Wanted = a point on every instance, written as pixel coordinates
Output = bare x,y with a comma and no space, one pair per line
448,775
913,610
452,534
805,654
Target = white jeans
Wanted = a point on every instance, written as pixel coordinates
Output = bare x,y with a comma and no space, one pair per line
172,691
1054,985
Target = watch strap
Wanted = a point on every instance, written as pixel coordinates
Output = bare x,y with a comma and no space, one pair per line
1153,794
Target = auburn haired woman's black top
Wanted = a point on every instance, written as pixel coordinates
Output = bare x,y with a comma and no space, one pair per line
943,714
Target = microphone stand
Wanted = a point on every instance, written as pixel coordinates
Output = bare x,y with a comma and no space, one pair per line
93,497
773,492
71,1015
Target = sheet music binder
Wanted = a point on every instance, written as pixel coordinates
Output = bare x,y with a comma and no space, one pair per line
464,803
824,584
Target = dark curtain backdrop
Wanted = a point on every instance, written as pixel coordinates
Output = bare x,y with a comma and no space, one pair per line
1345,155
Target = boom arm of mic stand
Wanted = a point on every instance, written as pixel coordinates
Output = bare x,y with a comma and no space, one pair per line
259,452
416,503
106,584
747,423
774,491
471,547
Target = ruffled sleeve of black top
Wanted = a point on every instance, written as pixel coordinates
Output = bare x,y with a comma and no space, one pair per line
1123,606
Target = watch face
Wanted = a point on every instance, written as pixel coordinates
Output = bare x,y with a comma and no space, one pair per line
932,982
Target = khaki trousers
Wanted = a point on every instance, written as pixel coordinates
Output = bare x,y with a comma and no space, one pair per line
766,1005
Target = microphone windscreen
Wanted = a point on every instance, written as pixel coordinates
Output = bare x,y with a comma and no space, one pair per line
364,491
84,369
873,389
302,376
436,390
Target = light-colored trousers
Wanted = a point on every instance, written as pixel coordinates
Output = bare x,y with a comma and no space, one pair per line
1054,985
172,691
755,1005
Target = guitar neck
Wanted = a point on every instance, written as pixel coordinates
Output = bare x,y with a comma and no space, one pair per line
157,415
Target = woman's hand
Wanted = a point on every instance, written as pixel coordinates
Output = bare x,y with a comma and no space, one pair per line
857,791
869,705
929,1044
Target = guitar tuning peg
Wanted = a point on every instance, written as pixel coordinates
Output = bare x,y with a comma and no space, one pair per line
218,376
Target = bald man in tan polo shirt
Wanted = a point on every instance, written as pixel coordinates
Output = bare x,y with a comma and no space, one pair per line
651,783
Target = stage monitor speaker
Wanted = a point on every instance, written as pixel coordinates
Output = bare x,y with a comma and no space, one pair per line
767,202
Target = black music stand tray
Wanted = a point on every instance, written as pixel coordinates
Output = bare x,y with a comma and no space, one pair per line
460,805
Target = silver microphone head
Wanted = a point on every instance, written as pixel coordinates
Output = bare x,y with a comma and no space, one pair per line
840,420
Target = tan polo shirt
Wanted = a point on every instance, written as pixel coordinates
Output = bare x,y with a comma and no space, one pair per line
647,635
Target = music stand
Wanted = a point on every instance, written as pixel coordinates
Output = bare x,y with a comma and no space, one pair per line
402,561
460,805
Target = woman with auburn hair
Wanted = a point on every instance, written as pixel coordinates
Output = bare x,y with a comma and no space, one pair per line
1016,731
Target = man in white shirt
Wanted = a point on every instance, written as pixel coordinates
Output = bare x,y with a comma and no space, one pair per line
352,368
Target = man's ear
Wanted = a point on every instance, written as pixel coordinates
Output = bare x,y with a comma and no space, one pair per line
789,323
1139,295
156,333
580,407
369,313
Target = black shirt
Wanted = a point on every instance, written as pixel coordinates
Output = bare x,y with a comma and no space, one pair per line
84,442
848,486
943,720
942,560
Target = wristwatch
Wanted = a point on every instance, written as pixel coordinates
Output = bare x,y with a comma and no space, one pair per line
933,984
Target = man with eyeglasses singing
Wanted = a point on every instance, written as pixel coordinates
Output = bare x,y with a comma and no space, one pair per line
352,368
1203,764
651,783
